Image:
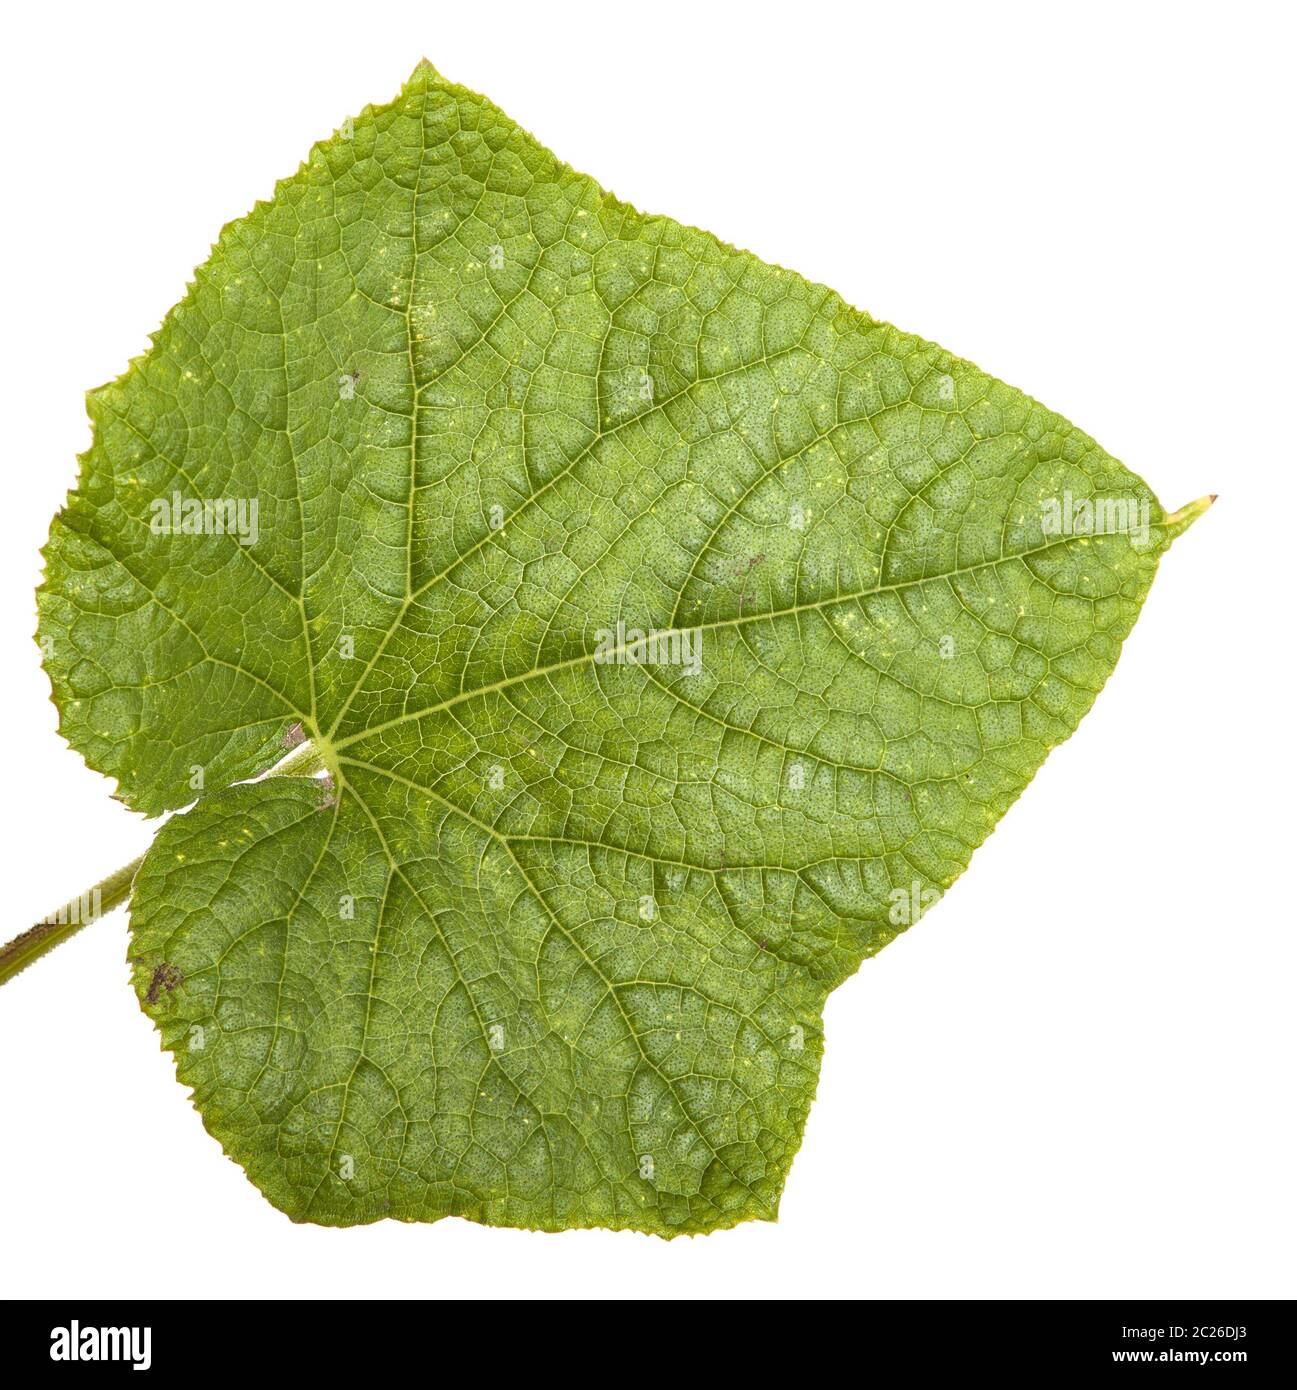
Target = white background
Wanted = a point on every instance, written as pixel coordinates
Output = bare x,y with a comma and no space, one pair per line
1075,1078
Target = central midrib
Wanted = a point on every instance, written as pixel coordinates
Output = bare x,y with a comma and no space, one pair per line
712,626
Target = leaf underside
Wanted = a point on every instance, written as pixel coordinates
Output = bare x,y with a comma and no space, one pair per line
550,947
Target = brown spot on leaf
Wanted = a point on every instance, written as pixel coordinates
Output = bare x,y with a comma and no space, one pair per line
743,574
164,977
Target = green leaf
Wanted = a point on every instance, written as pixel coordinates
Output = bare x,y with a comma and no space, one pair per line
550,945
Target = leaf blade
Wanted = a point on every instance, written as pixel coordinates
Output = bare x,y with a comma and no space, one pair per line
500,424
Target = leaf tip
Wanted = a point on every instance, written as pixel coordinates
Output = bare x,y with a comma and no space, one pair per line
1179,522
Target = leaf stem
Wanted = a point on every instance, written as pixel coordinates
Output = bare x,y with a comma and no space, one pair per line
97,902
55,928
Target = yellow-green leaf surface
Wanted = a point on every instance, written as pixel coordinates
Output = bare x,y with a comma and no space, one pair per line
550,945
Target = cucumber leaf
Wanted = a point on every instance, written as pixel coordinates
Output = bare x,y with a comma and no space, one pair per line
671,633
